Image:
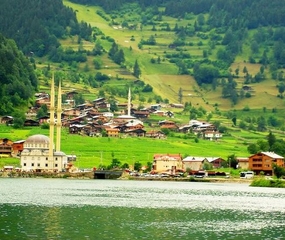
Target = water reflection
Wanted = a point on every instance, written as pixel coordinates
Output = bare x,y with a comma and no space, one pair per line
94,209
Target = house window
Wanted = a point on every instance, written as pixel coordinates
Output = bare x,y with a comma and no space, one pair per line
25,164
46,158
56,165
39,164
55,159
32,164
46,165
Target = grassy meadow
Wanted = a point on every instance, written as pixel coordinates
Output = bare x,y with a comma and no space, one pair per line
93,151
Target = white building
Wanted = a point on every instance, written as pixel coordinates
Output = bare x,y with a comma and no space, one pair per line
35,155
39,153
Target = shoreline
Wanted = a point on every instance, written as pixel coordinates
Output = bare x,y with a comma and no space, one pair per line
90,175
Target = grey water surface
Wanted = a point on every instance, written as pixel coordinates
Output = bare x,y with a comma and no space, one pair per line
126,209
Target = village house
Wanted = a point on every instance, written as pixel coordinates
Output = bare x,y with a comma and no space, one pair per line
168,124
155,134
140,114
32,112
101,103
212,135
41,99
243,163
31,123
112,132
70,95
217,162
155,107
194,163
7,119
170,163
200,127
177,105
263,162
43,119
6,148
123,119
159,113
139,132
71,113
18,147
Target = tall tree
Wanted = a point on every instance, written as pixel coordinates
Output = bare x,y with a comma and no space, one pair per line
271,139
180,95
137,70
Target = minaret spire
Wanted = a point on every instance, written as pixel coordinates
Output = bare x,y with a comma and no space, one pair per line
58,123
51,123
129,102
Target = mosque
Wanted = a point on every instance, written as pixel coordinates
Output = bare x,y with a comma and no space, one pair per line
39,153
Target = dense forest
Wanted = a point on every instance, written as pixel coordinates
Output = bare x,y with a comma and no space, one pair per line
17,79
36,25
241,13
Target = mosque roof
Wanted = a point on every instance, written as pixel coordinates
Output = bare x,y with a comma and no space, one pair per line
38,138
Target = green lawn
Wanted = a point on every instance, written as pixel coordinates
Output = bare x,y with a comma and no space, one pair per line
91,151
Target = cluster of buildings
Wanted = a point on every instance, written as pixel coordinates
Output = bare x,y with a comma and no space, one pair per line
95,118
172,163
41,153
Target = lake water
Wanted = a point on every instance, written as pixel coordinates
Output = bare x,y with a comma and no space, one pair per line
122,209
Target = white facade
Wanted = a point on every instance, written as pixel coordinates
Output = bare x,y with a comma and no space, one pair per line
35,155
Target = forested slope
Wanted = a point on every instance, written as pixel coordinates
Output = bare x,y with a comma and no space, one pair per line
17,79
36,25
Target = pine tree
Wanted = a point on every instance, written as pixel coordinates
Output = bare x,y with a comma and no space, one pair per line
137,70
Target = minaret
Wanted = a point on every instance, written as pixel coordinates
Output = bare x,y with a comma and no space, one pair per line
129,102
58,123
51,124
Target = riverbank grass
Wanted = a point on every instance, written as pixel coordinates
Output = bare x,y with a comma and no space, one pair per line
259,182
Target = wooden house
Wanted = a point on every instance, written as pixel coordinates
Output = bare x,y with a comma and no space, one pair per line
159,113
6,147
135,132
18,147
71,113
70,95
263,162
112,132
217,162
140,114
168,124
7,119
43,99
155,134
31,123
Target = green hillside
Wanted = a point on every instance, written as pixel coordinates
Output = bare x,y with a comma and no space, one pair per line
224,62
165,77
